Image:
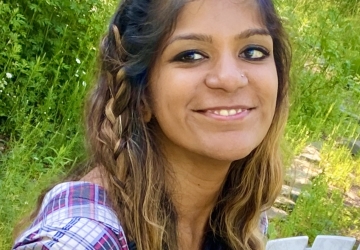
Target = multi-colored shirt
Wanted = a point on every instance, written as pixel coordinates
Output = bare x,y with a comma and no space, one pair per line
78,215
74,215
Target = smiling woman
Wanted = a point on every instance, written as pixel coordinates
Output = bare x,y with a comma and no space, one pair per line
220,80
183,132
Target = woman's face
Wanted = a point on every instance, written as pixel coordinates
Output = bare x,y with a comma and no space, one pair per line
214,85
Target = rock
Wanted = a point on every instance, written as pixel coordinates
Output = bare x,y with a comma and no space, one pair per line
284,203
318,145
2,145
354,146
298,177
352,115
304,168
291,192
311,157
352,197
275,213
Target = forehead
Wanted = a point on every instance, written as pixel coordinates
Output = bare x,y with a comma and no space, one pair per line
212,13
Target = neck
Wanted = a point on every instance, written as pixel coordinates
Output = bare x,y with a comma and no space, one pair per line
194,191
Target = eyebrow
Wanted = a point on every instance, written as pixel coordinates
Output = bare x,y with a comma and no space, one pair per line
253,32
206,38
191,36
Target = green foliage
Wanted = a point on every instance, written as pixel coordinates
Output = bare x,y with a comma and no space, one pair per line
338,165
321,208
47,51
325,108
317,212
47,63
325,73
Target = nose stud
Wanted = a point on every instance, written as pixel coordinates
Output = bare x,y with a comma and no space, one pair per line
243,79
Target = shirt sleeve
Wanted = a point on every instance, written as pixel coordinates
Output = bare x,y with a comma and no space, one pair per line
74,215
73,233
263,223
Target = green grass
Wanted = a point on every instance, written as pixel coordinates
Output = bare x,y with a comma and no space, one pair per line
44,77
321,208
324,104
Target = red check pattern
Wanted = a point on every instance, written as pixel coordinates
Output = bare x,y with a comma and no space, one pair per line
74,215
78,215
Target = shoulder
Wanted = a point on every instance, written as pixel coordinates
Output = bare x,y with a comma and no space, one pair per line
74,215
95,177
263,223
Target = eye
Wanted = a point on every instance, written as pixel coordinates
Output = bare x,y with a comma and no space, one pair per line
255,53
189,56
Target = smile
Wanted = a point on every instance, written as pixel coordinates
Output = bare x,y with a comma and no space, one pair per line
227,112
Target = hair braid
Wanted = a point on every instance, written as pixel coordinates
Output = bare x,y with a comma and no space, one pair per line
127,152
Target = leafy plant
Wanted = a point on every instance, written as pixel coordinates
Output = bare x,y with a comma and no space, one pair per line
47,63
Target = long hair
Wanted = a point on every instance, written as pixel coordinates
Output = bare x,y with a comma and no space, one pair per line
123,143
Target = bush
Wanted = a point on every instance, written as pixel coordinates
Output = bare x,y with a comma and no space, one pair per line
49,47
47,62
326,66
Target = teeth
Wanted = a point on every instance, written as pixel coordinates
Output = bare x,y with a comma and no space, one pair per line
225,112
232,112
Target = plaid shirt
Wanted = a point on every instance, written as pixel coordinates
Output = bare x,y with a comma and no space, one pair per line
78,215
74,215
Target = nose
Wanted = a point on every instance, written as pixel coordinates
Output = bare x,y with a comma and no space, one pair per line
227,74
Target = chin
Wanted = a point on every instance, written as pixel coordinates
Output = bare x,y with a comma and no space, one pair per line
230,157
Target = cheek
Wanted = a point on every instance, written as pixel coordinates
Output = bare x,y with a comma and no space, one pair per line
173,89
266,86
163,94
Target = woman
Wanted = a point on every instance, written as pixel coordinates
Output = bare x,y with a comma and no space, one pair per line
183,129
